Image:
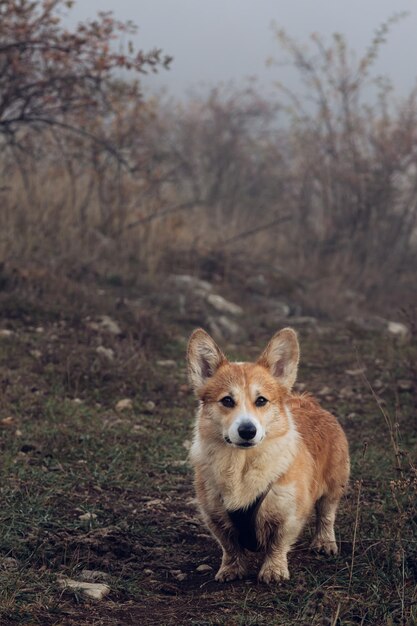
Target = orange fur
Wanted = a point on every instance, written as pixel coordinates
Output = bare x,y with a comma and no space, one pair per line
295,452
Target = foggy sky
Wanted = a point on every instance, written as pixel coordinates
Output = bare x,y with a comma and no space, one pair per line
216,41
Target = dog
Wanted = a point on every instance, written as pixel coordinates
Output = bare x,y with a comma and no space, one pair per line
263,456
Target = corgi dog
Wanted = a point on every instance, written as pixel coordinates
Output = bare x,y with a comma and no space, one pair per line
263,456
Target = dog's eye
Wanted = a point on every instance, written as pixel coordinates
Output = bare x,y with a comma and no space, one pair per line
260,401
228,402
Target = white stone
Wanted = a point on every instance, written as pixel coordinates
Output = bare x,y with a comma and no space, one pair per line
107,353
405,385
356,372
222,328
398,330
97,591
124,405
92,575
222,305
204,568
7,421
105,323
325,391
178,574
188,282
5,332
87,517
9,564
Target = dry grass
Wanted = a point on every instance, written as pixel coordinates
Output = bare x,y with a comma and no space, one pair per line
216,180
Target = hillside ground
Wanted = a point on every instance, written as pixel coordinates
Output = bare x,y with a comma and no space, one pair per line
66,451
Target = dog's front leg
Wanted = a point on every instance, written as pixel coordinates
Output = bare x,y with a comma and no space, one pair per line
234,560
275,566
233,565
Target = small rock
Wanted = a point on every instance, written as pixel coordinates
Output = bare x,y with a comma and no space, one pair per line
107,324
185,281
204,568
223,306
9,564
97,591
107,353
110,325
150,406
5,332
324,391
87,517
178,574
92,575
155,503
399,330
186,444
124,405
282,309
40,330
138,428
167,363
37,354
8,421
379,324
222,328
356,372
346,392
77,401
257,284
405,385
148,572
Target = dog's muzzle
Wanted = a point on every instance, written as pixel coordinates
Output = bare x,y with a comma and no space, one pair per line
245,432
246,437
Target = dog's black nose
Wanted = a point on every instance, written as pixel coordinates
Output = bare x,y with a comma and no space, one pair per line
247,430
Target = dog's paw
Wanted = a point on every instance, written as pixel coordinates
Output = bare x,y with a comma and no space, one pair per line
319,544
227,573
271,573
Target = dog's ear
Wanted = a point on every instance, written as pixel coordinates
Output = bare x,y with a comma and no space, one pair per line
204,357
281,357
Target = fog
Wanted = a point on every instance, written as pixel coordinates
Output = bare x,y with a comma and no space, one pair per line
219,41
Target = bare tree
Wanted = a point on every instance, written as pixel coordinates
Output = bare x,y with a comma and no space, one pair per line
354,155
49,75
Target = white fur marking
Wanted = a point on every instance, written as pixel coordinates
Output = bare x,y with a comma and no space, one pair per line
233,432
